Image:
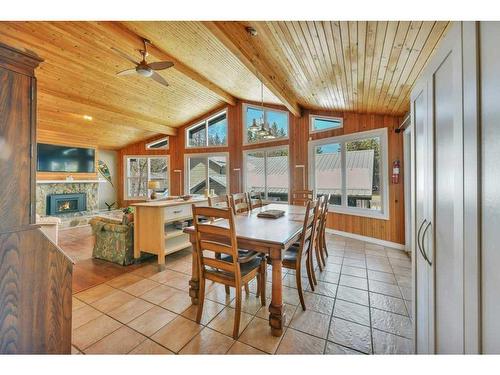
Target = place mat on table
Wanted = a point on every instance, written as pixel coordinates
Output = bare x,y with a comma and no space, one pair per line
271,214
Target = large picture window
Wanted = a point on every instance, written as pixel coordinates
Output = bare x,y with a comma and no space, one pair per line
141,169
207,172
211,132
267,172
276,120
353,169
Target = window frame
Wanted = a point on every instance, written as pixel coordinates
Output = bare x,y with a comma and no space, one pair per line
343,208
152,143
207,155
264,141
205,123
126,177
313,117
266,150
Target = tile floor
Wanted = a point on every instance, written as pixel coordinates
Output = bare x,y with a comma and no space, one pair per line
362,304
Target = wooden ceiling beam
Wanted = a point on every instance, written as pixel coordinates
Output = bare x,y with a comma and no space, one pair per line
134,119
130,35
242,47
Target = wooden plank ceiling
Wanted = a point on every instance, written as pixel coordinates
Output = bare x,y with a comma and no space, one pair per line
366,67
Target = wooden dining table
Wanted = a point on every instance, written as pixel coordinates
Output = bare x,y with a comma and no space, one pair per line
268,236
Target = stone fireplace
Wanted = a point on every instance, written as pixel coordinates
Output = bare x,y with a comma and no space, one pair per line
67,199
66,203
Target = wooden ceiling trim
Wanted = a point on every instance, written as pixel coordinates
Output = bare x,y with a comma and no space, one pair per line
243,49
130,35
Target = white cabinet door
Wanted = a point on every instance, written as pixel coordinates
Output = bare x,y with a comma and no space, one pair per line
423,315
443,241
438,123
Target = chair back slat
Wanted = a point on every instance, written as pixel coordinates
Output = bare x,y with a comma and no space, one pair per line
309,228
240,203
219,264
301,197
255,200
212,241
221,201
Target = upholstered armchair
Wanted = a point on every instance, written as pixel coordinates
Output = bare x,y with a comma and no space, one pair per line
114,241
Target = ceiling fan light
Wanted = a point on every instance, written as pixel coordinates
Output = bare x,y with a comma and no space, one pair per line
144,71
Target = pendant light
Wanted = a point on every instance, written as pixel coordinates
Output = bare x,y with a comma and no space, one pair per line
264,127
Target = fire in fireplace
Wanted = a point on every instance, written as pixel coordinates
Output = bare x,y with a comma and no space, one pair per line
66,203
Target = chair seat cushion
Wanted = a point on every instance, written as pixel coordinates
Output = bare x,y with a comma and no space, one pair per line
247,267
290,256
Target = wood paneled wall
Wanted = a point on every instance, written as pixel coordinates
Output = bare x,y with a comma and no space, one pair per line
388,230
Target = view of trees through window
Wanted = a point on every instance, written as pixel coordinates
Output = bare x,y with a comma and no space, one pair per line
210,133
140,170
277,123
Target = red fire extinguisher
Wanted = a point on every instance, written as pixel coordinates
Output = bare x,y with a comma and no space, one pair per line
395,172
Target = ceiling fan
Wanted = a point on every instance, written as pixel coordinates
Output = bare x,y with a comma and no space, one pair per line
144,69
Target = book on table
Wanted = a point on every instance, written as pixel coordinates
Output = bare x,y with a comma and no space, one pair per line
271,214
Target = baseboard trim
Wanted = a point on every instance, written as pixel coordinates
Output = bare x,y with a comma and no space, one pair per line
375,241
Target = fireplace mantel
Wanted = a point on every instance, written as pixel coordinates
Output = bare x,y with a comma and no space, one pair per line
69,181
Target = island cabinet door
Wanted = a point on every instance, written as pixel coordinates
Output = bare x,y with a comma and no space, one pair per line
15,150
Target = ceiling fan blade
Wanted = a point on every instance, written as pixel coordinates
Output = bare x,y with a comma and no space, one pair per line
125,56
158,78
160,65
126,72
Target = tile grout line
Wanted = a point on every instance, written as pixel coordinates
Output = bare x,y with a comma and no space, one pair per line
333,307
369,305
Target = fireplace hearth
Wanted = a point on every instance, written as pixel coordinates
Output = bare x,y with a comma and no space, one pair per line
58,204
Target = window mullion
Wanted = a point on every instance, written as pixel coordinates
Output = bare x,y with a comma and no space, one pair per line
343,201
265,176
206,133
207,174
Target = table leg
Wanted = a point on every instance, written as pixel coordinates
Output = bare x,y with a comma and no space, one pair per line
194,283
276,310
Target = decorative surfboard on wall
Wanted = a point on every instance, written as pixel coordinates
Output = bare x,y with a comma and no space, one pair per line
104,171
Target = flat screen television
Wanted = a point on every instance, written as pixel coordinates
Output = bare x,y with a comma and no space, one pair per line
53,158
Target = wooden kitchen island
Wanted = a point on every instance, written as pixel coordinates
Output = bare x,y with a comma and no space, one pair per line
154,229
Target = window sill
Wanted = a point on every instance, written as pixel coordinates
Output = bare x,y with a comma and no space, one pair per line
358,212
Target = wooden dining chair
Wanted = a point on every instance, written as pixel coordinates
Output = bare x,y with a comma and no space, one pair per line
320,259
239,203
224,201
293,257
221,201
220,261
321,239
255,200
301,197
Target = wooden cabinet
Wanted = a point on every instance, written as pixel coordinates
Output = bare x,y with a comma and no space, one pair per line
17,138
35,275
154,230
